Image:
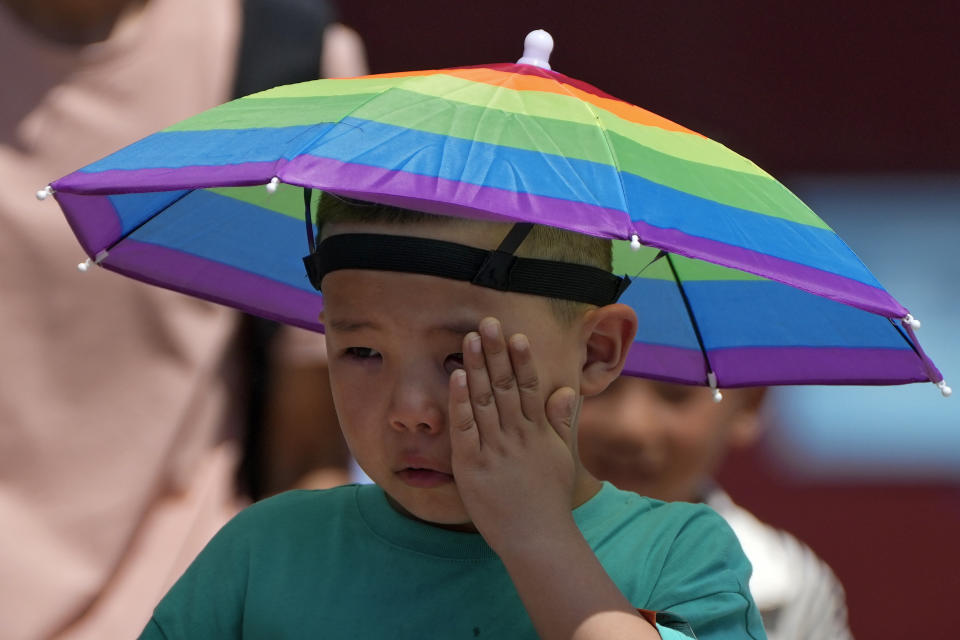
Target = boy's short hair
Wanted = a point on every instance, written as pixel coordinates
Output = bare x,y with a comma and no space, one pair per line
543,242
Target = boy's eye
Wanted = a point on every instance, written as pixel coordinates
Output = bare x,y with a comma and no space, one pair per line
453,362
361,353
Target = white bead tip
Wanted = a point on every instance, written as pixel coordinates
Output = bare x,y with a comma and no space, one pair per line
537,47
84,266
273,184
44,193
913,322
945,391
717,396
635,242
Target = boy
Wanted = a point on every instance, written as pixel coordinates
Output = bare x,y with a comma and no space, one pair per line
666,441
460,402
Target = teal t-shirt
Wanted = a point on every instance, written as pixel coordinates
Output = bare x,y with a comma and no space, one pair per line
342,563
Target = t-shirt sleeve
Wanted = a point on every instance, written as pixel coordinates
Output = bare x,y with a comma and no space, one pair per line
207,600
704,583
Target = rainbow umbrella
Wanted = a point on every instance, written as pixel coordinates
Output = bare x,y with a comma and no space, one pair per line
736,281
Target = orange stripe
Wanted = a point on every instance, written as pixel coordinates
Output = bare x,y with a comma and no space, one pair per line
520,82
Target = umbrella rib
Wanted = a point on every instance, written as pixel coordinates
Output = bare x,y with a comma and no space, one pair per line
148,219
693,319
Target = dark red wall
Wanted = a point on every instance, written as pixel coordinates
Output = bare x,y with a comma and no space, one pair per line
813,85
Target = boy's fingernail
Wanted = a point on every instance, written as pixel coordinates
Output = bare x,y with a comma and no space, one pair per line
459,377
473,342
520,342
490,328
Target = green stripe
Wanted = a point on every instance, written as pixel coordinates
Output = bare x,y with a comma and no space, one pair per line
252,114
538,104
287,199
639,264
330,87
733,188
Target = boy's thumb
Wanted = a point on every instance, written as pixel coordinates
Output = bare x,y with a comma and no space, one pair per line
561,409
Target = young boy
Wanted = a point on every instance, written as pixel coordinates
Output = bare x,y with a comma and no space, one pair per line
460,401
666,441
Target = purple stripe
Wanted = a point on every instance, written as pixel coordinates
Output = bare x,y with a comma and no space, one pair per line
932,372
449,197
115,181
747,366
216,282
816,281
759,366
672,364
93,220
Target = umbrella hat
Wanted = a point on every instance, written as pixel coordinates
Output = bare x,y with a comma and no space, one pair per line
735,280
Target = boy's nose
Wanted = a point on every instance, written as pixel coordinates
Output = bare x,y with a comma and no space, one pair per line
418,406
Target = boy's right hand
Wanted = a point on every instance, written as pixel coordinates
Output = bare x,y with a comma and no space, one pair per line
512,448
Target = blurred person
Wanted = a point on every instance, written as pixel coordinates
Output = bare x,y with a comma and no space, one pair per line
118,443
665,441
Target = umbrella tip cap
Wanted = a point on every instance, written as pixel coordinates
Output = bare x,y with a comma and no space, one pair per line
537,47
945,391
44,193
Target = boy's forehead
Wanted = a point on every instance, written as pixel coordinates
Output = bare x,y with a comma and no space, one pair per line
356,299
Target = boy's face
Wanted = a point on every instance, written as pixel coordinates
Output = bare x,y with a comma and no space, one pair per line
662,440
392,341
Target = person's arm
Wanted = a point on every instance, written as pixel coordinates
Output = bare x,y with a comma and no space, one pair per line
515,469
344,55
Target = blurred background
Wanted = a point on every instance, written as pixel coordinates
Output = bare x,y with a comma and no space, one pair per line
854,107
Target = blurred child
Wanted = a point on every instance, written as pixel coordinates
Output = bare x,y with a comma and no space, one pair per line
460,401
666,441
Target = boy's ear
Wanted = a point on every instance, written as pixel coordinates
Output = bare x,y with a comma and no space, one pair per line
608,333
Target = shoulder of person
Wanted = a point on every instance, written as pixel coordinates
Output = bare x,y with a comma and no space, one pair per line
292,509
784,568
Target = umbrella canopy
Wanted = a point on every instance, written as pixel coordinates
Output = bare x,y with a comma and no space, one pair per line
506,142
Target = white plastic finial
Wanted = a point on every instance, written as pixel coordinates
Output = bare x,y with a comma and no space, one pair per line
712,381
913,322
635,242
44,193
945,391
537,47
273,184
97,259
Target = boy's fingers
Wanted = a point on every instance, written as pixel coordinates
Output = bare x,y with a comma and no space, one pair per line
481,396
464,435
561,410
528,382
500,371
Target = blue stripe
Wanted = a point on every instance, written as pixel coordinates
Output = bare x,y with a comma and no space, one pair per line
752,313
174,149
668,208
738,313
663,319
134,208
234,233
490,165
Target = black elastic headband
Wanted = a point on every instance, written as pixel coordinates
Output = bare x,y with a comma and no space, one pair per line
496,269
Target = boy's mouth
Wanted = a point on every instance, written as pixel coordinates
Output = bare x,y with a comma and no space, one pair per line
423,478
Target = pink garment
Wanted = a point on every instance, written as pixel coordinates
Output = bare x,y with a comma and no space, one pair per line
116,452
